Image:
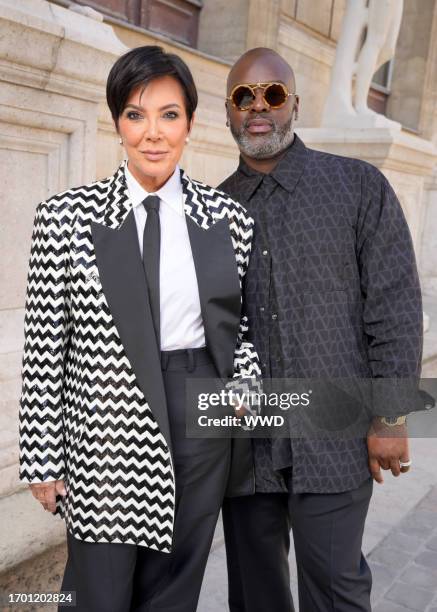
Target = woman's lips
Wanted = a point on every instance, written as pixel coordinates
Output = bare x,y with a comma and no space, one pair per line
258,127
154,155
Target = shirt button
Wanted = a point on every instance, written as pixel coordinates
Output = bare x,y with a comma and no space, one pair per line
265,252
274,316
262,309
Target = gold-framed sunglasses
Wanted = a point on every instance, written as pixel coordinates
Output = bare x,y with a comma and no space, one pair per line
275,94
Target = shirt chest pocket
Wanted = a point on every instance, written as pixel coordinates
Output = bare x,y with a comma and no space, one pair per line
328,271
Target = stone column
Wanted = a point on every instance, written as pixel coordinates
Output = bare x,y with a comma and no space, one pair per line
263,24
428,253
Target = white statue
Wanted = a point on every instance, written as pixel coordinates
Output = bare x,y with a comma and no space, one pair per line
381,20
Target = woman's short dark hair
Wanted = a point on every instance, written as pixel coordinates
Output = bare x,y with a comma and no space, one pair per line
141,65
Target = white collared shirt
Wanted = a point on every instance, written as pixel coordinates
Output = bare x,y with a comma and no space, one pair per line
181,319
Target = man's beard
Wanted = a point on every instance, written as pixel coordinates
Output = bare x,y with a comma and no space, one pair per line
264,147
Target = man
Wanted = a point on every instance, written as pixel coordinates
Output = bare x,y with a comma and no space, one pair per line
331,292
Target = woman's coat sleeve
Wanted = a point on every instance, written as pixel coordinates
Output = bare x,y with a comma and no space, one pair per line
46,329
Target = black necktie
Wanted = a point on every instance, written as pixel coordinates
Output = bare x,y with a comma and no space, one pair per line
151,250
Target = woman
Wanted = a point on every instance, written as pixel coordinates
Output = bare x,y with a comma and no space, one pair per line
134,286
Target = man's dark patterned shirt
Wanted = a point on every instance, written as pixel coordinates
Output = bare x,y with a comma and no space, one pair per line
332,291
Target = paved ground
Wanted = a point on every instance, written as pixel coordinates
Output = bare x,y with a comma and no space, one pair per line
404,565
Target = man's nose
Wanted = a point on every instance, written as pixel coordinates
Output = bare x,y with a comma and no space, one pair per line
259,104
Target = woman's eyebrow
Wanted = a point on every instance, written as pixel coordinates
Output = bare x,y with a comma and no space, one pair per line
170,105
136,107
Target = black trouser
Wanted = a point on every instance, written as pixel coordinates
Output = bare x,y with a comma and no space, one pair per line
333,575
123,577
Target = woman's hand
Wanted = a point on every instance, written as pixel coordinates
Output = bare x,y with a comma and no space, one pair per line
45,493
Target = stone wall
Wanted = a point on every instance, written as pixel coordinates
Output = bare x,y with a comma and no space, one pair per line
53,69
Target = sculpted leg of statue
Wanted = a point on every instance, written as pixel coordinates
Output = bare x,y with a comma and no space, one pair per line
382,31
381,21
338,103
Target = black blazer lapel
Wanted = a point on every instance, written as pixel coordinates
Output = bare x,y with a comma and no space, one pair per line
124,285
217,279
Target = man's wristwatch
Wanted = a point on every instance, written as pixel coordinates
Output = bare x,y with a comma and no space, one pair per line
393,421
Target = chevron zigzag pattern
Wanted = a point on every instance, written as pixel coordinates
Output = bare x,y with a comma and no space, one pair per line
83,417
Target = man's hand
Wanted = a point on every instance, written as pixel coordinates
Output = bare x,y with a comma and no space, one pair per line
240,410
45,493
387,447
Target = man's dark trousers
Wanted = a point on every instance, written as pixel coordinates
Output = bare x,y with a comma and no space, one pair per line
333,575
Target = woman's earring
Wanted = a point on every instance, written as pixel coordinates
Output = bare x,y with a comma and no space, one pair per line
120,141
187,140
227,122
295,115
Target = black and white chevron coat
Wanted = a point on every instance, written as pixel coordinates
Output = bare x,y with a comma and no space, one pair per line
92,408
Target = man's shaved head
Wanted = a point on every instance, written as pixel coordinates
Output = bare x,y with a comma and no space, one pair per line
262,132
260,65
